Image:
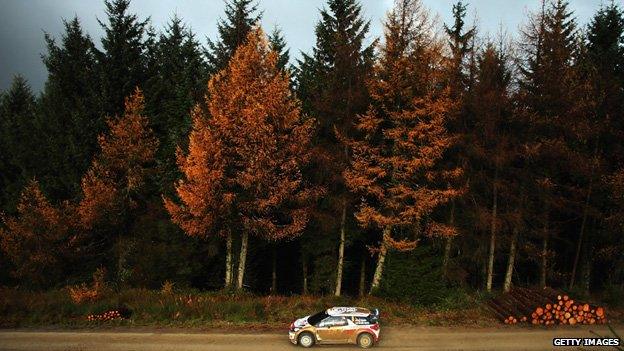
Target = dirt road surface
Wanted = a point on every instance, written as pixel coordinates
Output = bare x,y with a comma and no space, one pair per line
409,338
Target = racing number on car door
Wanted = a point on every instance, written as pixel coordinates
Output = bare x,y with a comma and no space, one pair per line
332,329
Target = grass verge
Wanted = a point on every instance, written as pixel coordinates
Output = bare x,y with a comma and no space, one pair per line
154,308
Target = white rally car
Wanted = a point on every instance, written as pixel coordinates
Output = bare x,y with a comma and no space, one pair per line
337,325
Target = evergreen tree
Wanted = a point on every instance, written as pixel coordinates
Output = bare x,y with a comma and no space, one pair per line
177,82
240,18
551,97
20,134
459,77
461,44
278,44
605,56
122,63
492,151
332,85
69,105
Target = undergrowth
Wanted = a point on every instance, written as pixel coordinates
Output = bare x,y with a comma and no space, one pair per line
191,308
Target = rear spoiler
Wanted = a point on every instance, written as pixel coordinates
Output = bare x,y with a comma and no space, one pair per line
374,316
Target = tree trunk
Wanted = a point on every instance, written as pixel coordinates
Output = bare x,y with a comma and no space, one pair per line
383,250
241,260
274,272
490,267
341,247
449,241
544,265
511,262
228,260
304,266
363,275
579,243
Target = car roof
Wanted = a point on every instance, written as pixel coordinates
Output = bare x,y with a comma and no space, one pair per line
348,311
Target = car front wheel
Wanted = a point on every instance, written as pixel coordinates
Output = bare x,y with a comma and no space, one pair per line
306,340
365,340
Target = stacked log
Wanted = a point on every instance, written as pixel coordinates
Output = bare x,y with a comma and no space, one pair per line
544,307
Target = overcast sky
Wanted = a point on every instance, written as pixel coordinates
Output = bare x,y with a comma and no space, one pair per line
22,22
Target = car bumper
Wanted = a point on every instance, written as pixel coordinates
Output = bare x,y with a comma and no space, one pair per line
292,336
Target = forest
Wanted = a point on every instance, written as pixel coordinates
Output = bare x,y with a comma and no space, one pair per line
428,162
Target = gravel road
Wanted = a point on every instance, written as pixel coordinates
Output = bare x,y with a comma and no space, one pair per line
408,338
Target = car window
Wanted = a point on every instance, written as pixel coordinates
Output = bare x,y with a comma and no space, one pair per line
333,321
317,318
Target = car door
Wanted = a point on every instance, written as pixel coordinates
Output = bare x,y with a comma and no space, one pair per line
332,330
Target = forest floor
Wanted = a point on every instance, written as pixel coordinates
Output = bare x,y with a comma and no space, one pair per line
392,338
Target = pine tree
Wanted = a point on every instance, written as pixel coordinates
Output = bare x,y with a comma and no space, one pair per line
396,165
604,69
177,83
332,85
122,63
492,149
461,45
240,18
459,72
69,105
550,95
20,134
243,170
278,44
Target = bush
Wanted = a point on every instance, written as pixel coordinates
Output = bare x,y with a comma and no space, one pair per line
416,277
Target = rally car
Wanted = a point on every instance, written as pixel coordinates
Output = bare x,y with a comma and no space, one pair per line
337,325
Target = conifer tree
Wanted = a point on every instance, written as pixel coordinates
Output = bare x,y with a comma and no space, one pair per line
461,45
602,64
116,185
550,95
243,170
122,63
36,239
240,17
492,148
20,134
331,82
459,67
70,106
177,82
278,44
396,165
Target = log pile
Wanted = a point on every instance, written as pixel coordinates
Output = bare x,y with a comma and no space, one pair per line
544,307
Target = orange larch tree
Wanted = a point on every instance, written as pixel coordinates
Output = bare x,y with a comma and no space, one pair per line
115,185
396,162
36,239
243,169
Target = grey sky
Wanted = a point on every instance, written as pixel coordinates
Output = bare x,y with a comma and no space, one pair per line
22,22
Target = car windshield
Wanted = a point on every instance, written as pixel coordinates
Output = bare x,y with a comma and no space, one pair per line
316,318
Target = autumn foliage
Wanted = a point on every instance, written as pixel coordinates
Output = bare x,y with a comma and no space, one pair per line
243,169
37,238
113,183
396,162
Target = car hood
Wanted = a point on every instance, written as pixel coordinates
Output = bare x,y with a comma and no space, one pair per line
301,322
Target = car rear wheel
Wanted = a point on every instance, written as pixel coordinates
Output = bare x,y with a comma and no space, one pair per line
365,340
306,339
